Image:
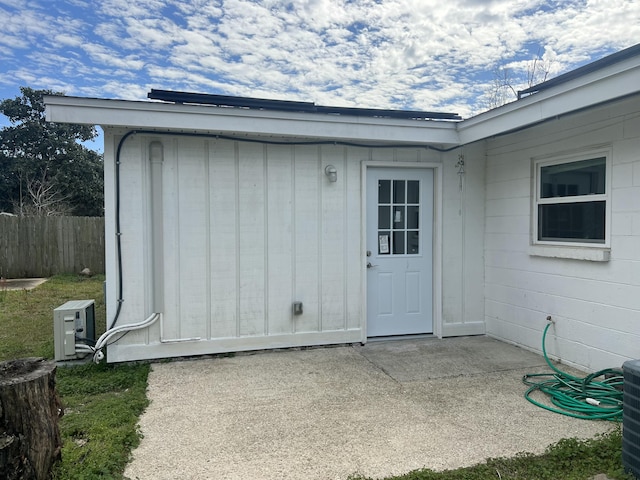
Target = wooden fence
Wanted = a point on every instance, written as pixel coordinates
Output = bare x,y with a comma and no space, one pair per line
45,246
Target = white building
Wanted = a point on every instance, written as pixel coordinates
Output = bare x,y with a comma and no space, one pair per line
224,217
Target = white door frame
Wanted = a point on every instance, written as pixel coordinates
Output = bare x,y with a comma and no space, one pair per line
437,238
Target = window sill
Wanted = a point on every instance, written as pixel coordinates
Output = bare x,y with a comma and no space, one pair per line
592,254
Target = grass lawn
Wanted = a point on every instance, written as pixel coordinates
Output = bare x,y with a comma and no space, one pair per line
103,402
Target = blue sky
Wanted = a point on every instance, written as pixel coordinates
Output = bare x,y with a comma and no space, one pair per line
443,55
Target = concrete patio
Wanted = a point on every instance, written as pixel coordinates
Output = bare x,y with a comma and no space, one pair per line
325,413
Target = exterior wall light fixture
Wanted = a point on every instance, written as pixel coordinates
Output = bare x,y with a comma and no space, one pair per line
331,172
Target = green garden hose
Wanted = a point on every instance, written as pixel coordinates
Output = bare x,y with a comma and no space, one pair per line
578,397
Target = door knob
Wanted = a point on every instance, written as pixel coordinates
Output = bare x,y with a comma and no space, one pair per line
370,266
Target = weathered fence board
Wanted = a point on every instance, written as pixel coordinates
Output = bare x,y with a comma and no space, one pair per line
45,246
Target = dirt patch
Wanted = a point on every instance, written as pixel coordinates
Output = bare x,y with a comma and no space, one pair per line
21,283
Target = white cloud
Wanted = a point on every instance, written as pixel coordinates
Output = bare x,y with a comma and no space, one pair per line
67,40
109,57
414,54
116,89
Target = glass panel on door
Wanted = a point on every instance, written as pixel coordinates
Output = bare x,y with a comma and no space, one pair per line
398,217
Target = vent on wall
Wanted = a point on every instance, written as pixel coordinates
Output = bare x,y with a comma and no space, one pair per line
631,417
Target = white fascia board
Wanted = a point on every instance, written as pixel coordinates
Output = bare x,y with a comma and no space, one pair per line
259,123
598,87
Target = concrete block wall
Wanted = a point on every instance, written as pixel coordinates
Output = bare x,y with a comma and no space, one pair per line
596,305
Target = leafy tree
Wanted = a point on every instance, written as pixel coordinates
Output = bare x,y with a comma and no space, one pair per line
44,169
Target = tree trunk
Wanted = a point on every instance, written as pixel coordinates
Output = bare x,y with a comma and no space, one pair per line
30,440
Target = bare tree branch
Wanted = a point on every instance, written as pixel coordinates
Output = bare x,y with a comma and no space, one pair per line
506,81
43,197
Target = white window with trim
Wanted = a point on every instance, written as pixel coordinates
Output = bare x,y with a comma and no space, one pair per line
572,200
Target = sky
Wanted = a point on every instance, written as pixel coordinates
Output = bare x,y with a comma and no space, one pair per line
434,55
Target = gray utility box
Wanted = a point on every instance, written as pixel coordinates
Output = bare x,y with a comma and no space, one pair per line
73,323
631,417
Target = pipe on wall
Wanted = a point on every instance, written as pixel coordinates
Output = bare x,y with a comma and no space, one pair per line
156,158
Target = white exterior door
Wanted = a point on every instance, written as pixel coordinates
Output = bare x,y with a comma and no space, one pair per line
399,243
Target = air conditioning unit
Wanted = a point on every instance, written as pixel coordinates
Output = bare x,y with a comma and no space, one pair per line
73,323
631,417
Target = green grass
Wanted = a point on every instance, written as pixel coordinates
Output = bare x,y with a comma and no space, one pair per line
569,459
102,406
26,316
103,403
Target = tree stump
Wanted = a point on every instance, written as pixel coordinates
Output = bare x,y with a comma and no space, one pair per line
30,440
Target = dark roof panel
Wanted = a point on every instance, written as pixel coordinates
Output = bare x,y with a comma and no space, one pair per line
289,106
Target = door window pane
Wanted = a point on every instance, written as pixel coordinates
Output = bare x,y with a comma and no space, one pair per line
413,217
413,191
413,242
384,243
384,191
398,191
398,243
398,217
384,217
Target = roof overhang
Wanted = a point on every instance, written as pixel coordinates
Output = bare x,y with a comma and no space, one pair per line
613,80
594,88
213,120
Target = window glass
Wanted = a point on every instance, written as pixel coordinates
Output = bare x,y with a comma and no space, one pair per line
384,217
571,202
413,191
413,242
398,191
577,222
398,217
585,177
384,191
413,216
384,243
398,243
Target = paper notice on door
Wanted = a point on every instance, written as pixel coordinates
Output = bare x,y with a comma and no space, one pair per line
383,242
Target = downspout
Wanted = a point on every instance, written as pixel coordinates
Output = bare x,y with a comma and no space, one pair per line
156,157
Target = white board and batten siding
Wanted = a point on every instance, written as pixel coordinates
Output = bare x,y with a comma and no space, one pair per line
247,229
463,242
595,304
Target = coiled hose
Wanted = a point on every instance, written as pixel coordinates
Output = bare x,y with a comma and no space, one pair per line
577,397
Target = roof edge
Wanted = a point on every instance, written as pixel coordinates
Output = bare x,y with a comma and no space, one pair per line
292,106
609,82
166,117
604,62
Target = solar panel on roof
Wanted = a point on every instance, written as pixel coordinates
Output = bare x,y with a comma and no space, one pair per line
291,106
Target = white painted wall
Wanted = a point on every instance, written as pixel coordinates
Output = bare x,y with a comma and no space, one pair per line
249,228
463,242
596,305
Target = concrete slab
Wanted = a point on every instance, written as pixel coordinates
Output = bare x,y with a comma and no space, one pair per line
423,359
21,283
378,410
